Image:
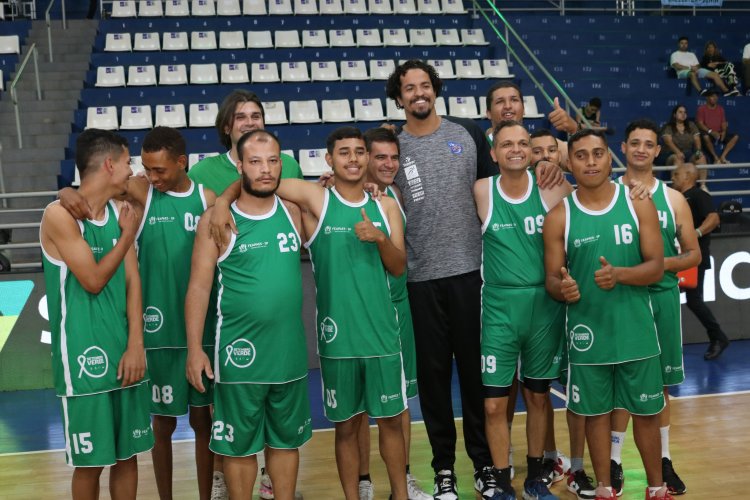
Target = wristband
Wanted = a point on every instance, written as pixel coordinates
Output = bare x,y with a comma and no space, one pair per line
700,234
709,131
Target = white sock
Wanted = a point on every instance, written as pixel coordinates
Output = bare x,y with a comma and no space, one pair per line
618,438
652,490
665,442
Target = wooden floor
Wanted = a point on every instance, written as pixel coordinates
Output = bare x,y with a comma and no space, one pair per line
709,448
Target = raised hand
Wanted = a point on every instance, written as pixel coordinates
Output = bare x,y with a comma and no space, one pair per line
569,287
366,230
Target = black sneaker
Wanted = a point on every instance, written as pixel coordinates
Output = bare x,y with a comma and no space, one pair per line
445,486
703,92
669,476
548,471
487,485
580,485
616,477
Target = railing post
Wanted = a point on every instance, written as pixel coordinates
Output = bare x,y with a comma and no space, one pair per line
36,73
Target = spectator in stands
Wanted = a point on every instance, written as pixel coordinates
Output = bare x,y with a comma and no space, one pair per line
592,112
682,138
686,65
714,61
746,68
712,122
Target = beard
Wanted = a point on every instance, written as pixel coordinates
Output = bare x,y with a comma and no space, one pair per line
421,115
247,186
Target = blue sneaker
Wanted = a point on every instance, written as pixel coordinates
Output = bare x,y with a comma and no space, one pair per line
535,489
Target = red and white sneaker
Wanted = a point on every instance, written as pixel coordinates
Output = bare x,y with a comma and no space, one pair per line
660,494
581,485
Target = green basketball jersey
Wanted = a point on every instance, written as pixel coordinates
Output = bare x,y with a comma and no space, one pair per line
512,244
397,283
606,326
89,331
260,337
165,247
355,315
668,228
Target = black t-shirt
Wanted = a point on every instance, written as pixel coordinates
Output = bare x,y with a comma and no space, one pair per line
701,205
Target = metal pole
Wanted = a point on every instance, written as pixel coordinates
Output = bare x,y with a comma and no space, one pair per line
64,19
36,72
2,178
14,98
49,37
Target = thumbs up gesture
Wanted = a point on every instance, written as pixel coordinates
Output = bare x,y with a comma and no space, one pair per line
560,119
366,230
606,276
569,287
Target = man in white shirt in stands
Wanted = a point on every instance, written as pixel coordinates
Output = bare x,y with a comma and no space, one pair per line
746,68
686,65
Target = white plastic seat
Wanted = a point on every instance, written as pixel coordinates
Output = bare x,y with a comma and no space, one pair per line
103,117
331,7
203,40
407,7
354,70
368,110
176,8
341,38
172,74
113,42
234,73
203,115
355,7
150,8
136,118
11,44
312,162
171,115
368,38
421,37
303,112
314,38
444,68
440,108
468,68
280,7
259,40
464,107
473,37
228,8
275,113
530,109
146,41
453,7
123,8
287,39
305,8
447,37
264,72
294,72
203,74
194,158
393,112
175,40
482,106
139,76
109,76
380,7
428,7
136,165
229,40
254,8
202,8
496,68
323,71
395,37
381,69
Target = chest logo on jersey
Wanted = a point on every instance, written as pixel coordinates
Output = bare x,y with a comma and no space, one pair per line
581,338
455,148
328,330
578,242
241,353
93,362
97,250
153,319
336,229
497,226
244,247
153,220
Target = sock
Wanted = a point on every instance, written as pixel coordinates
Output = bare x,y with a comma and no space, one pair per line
535,467
408,471
551,455
365,477
652,490
665,442
503,478
510,455
576,464
618,438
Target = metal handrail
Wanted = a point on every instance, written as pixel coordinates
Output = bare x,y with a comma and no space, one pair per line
14,95
29,194
20,225
48,19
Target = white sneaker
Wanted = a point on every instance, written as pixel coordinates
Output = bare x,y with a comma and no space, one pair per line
219,487
414,491
510,461
366,490
265,488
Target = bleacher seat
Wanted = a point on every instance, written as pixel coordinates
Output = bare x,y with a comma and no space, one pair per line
530,109
173,74
464,107
287,39
280,7
146,42
136,165
171,115
294,72
176,8
473,37
354,70
496,68
175,40
395,37
355,7
231,40
113,42
381,69
368,110
305,8
264,72
234,73
228,8
275,113
482,106
139,76
421,37
254,8
314,38
109,76
336,111
150,8
203,115
368,38
380,7
341,38
428,7
203,8
304,112
203,40
312,162
136,118
259,40
331,7
393,112
11,44
440,108
404,7
194,158
323,71
453,7
123,8
468,68
103,117
447,37
444,68
203,74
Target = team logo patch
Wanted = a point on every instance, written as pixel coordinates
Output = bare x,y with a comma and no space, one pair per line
153,319
241,353
93,362
581,338
328,330
139,433
455,148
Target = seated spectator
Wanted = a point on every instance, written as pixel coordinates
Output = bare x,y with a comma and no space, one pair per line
592,112
686,65
712,122
714,61
682,139
746,68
